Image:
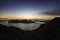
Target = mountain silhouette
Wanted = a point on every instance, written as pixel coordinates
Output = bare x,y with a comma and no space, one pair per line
52,29
48,31
53,23
21,21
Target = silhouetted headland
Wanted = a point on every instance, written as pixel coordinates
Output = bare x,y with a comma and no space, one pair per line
52,29
21,21
47,31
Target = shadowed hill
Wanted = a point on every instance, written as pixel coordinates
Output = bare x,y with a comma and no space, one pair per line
55,23
57,19
9,33
47,31
53,29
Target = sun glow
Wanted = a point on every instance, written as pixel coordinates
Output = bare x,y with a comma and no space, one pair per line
27,16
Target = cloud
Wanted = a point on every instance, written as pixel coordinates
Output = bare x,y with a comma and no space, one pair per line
52,12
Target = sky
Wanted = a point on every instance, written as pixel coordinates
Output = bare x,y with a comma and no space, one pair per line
28,8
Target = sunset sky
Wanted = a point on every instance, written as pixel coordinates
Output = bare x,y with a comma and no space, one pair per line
27,9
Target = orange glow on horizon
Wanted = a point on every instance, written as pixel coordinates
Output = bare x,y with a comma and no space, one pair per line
26,18
39,17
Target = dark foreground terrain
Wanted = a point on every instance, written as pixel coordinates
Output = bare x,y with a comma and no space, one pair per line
48,31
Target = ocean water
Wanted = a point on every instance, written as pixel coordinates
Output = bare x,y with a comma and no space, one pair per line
24,26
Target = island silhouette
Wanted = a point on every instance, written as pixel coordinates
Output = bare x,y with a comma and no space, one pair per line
21,21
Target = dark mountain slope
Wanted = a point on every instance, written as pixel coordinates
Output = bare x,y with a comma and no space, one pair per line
47,31
52,29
